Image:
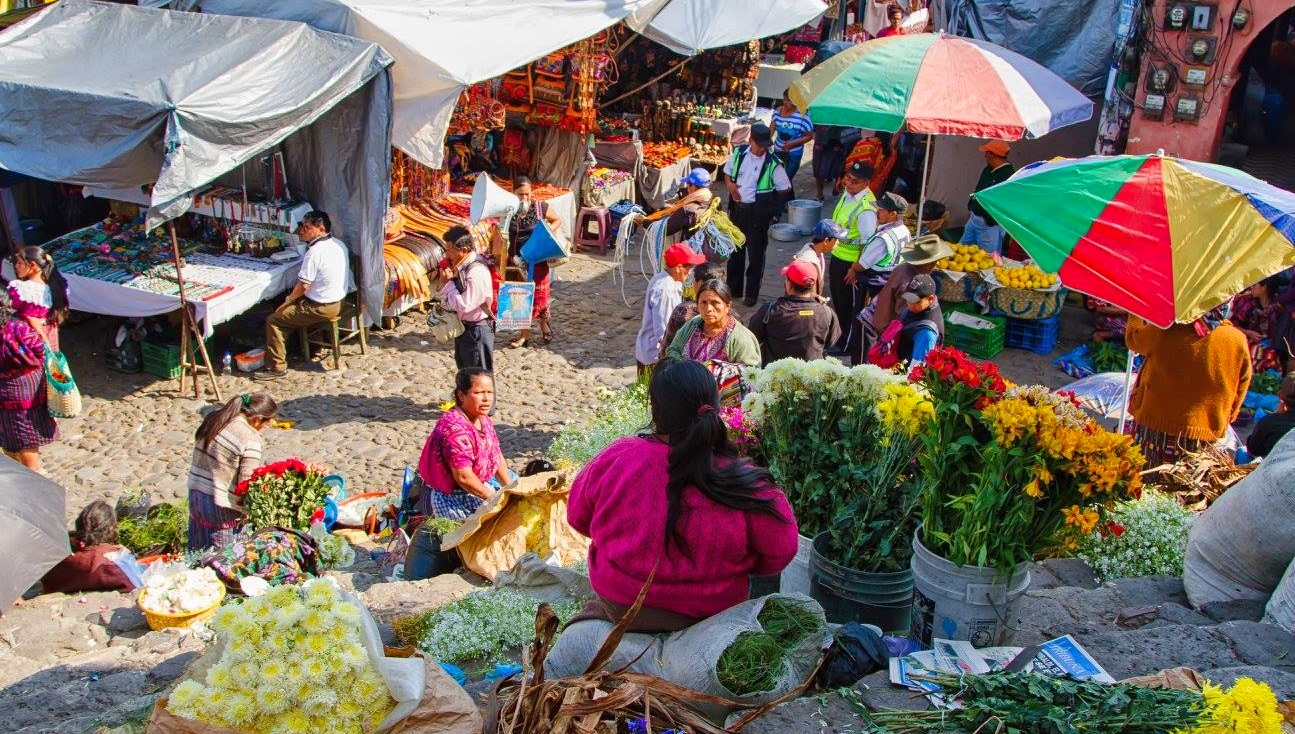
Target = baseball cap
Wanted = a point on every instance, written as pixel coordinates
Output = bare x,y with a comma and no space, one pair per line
997,147
761,135
801,273
892,202
682,254
919,287
697,177
828,229
861,171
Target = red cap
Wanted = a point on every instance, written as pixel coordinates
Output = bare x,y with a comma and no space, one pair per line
682,254
801,273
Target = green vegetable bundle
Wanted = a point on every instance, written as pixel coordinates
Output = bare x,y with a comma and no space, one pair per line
165,529
751,662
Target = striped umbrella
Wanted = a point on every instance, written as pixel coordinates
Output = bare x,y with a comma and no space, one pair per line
1163,238
945,85
940,85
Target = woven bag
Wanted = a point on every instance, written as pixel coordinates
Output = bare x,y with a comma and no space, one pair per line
63,396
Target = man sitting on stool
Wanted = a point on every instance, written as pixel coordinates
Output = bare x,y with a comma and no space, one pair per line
322,283
758,188
798,324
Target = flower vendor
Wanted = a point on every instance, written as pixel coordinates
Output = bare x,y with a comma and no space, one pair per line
227,451
90,567
1191,386
1109,322
676,506
714,334
664,293
1273,428
528,216
462,464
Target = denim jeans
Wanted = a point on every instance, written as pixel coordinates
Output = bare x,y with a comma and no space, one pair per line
425,559
978,232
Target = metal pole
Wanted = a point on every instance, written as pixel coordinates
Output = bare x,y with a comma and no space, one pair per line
1124,404
926,167
189,325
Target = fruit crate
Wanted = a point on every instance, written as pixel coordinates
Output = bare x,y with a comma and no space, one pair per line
1036,335
979,343
163,360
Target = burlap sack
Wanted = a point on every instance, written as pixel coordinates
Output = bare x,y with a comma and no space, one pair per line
497,535
445,708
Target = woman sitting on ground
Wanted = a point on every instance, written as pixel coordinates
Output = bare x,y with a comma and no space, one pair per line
676,505
462,465
89,568
227,451
713,334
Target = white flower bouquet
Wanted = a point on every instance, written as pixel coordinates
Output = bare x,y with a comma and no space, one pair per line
294,660
334,551
174,588
1144,537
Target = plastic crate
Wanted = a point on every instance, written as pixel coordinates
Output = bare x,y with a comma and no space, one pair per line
163,360
979,343
1036,335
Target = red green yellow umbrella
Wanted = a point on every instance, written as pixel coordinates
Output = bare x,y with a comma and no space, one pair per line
1163,238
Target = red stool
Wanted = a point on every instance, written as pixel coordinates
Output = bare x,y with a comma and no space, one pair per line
594,228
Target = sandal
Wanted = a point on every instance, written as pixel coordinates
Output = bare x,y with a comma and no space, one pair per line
517,342
548,337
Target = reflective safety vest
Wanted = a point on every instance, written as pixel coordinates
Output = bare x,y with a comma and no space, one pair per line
846,214
763,184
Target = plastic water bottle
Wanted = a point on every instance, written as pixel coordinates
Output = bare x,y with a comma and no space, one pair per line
227,364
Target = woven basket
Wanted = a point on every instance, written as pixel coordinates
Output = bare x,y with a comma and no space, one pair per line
956,290
163,620
1022,303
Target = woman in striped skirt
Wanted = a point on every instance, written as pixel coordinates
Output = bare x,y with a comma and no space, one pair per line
25,422
227,451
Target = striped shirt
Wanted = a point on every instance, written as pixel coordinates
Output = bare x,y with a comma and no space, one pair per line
231,457
790,127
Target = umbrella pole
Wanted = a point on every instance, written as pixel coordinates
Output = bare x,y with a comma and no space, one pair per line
1128,382
926,169
188,326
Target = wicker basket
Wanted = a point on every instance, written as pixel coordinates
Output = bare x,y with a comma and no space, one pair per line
956,290
1023,303
164,620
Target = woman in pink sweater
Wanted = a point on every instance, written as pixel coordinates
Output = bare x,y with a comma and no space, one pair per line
681,502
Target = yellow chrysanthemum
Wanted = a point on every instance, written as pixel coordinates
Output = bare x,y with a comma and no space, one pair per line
1249,707
281,597
185,695
293,722
219,675
314,644
272,698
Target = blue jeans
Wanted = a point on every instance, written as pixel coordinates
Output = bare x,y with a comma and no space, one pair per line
793,161
978,232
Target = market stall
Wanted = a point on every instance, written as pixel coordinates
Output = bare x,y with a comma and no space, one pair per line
159,115
775,74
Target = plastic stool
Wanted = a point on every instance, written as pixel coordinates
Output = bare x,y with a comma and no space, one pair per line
593,228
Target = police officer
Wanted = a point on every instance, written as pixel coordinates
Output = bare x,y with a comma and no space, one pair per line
856,211
798,324
758,188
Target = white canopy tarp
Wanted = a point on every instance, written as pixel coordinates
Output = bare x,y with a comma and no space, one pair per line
116,96
690,26
443,46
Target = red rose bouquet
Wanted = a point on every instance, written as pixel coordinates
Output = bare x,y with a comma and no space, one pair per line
284,494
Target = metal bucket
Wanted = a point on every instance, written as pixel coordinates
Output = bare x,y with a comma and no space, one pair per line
804,213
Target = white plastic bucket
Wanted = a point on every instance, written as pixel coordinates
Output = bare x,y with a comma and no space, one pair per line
972,603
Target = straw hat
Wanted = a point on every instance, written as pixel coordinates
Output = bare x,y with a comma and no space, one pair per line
927,249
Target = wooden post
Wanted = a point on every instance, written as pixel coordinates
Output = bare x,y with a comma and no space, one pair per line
189,326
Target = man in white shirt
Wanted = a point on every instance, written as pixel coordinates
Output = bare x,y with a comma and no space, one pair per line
664,292
758,188
880,254
826,234
468,292
322,283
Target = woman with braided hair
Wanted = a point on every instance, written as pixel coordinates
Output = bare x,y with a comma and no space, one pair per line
227,451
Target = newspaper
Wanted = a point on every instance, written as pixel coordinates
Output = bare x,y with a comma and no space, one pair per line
1058,657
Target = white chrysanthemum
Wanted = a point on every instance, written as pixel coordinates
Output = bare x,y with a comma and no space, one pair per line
295,674
239,648
320,593
316,669
281,596
349,711
315,644
240,710
244,670
220,675
272,670
321,699
272,699
277,643
185,696
287,617
292,722
353,655
347,612
226,618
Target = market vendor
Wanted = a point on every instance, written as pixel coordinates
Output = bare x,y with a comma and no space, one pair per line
227,450
922,323
919,259
678,506
38,293
530,212
322,283
856,212
1192,384
758,189
982,229
1273,428
90,567
692,204
687,309
462,464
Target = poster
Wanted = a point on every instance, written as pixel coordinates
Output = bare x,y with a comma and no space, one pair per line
515,303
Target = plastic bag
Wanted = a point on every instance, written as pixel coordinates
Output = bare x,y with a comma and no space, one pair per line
689,657
531,516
